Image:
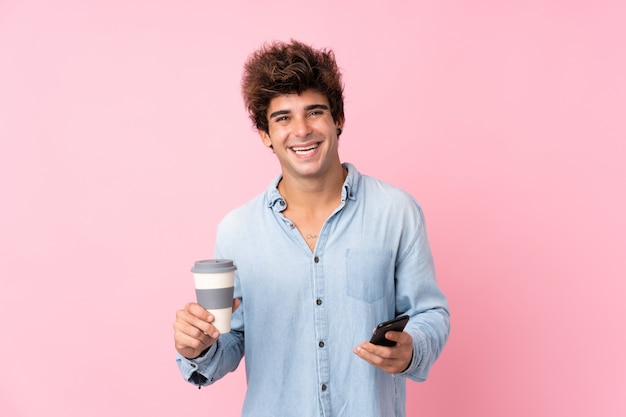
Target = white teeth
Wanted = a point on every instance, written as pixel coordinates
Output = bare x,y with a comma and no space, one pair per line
307,149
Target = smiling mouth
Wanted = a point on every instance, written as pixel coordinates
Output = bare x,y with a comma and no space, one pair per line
305,150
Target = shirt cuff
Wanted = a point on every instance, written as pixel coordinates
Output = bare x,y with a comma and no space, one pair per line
415,371
189,366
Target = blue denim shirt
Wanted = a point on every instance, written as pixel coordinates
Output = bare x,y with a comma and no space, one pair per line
303,312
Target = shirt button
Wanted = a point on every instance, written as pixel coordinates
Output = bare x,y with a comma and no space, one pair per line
291,225
321,344
316,259
282,203
324,387
318,302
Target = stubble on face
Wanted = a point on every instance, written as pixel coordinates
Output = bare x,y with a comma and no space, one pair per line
302,134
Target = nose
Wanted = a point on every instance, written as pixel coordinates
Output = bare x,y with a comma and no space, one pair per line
301,127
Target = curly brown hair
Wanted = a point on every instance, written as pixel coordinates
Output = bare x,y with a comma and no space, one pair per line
282,68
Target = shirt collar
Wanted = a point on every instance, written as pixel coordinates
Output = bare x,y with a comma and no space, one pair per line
348,192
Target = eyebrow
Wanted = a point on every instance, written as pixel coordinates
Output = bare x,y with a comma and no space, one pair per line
307,108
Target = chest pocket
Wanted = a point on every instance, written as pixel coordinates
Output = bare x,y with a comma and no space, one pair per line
368,273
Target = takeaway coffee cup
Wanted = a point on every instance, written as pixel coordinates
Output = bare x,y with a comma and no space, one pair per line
214,279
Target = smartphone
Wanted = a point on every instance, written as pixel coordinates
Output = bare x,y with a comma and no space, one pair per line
396,325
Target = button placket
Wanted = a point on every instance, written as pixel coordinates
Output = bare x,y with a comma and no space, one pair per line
321,325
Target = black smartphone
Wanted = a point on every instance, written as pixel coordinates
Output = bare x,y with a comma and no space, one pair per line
396,325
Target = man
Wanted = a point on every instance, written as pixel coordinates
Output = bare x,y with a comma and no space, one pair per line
323,256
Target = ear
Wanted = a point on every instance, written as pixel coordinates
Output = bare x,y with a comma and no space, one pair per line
339,124
265,138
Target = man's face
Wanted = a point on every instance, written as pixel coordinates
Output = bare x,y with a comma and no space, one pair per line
302,133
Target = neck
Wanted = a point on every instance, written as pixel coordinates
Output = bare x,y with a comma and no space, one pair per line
315,193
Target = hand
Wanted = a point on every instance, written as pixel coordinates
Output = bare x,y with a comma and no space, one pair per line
193,331
393,359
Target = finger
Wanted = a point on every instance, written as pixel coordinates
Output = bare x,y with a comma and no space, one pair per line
402,339
236,304
183,340
188,337
393,336
183,328
373,354
197,310
193,325
190,347
381,357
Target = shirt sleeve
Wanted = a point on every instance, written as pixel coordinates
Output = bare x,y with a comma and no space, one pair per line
419,296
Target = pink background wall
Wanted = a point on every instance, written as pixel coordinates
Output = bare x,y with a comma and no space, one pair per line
124,141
